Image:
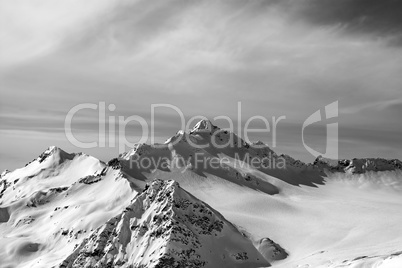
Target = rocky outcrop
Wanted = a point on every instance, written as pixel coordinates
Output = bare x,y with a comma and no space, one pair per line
358,165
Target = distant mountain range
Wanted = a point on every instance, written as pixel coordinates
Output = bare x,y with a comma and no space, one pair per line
195,202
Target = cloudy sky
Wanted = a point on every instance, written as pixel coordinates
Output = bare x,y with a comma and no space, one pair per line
278,58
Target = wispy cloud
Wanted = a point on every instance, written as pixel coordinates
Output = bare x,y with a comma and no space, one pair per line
277,57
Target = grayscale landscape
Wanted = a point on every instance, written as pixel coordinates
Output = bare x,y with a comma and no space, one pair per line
200,134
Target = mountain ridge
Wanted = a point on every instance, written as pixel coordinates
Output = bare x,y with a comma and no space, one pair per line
355,165
73,200
176,229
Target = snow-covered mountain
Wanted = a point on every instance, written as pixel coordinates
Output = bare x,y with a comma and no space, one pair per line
72,210
54,202
165,226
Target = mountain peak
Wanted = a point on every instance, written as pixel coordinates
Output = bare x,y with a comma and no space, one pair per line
52,149
165,226
204,125
55,152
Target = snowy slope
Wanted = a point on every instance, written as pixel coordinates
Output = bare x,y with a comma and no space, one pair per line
165,226
53,203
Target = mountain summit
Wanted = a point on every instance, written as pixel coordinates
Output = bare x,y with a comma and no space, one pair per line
165,226
204,125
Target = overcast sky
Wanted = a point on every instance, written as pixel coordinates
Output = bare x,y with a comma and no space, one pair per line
278,58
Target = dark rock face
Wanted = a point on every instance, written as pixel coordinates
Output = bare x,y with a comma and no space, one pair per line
3,187
271,250
90,179
114,163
